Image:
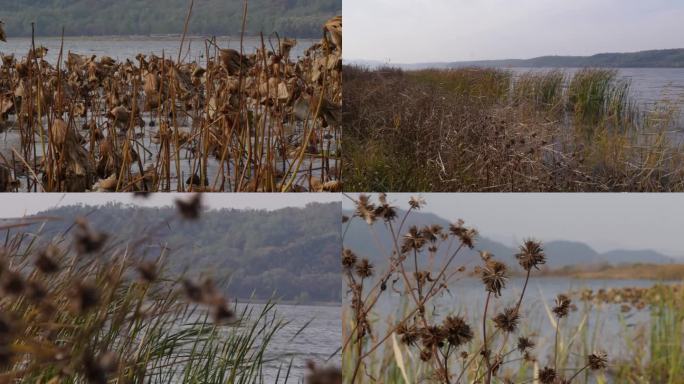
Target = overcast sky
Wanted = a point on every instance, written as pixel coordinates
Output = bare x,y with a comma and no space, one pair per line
412,31
603,221
19,204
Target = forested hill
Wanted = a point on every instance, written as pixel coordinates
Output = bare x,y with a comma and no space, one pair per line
293,18
672,58
293,252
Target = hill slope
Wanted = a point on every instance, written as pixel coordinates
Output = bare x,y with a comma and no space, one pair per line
292,251
671,58
294,18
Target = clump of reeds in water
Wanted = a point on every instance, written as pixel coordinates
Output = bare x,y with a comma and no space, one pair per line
419,345
597,96
85,307
262,121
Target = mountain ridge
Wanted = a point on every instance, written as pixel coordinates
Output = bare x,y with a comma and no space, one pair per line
560,253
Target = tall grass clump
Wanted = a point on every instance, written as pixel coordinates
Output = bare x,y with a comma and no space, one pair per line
597,95
542,91
429,343
86,307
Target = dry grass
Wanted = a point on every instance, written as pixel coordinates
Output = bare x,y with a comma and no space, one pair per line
482,130
238,122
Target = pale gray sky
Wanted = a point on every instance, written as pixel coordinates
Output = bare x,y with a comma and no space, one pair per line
603,221
412,31
19,204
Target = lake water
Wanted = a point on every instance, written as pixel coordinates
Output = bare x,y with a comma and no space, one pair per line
468,297
127,47
318,341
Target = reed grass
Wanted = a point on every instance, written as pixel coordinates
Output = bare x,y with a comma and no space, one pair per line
85,307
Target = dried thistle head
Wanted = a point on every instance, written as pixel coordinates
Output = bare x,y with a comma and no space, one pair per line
46,262
327,375
432,336
494,276
409,334
562,306
531,255
413,240
597,361
457,331
547,375
525,344
147,271
12,283
385,210
416,202
466,235
83,296
364,268
365,209
86,239
98,369
507,321
348,259
191,208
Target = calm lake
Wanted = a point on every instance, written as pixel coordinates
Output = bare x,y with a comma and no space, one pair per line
318,341
127,47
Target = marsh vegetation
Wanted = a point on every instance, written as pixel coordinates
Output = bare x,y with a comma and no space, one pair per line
479,129
435,331
234,121
85,306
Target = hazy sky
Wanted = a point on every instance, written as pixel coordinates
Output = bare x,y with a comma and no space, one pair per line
603,221
411,31
20,204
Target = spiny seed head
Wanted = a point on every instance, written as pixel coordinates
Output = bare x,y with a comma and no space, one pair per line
409,334
507,320
190,209
416,202
597,360
147,271
524,344
562,306
547,375
364,268
531,255
13,283
413,240
432,336
365,209
97,369
222,313
348,258
83,297
46,261
327,375
457,331
494,276
89,241
193,291
386,211
465,235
